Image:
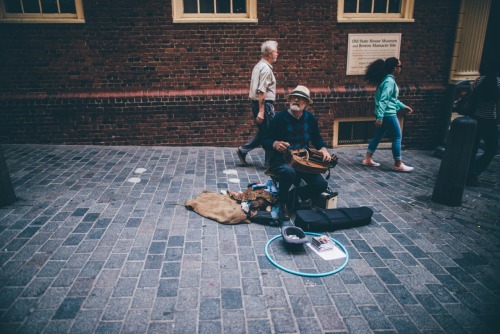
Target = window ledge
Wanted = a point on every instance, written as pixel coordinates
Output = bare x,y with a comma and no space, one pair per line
215,20
42,21
378,20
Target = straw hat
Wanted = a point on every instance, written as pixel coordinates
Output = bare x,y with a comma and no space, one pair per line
301,91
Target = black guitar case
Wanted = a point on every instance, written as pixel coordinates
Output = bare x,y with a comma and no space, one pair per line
329,220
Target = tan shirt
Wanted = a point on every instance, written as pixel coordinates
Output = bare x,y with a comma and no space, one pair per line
263,81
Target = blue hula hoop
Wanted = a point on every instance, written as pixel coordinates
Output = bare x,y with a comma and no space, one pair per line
307,274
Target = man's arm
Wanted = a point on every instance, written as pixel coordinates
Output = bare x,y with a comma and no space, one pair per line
317,140
326,155
271,139
262,101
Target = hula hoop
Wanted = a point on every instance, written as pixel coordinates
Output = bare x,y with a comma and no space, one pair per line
307,274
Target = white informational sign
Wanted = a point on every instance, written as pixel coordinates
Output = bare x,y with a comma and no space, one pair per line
365,48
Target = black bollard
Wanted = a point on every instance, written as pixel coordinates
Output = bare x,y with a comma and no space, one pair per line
449,187
7,195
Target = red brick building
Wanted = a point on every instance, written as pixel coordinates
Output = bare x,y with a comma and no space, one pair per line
157,72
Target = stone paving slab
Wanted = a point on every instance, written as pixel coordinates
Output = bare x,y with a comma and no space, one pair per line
84,250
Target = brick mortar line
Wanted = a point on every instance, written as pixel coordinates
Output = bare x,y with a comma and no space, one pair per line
336,90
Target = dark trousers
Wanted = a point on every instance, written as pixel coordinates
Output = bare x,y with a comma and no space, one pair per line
287,176
256,140
487,131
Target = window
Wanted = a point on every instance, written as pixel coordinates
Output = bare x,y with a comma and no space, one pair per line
238,11
41,11
375,10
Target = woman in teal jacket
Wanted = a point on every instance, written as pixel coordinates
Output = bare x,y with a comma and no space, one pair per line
381,73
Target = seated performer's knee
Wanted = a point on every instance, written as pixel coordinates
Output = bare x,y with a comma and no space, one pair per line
287,175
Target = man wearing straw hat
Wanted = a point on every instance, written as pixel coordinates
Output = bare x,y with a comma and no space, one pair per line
295,128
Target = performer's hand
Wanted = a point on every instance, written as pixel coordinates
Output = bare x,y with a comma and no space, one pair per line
280,146
326,155
259,119
409,110
378,122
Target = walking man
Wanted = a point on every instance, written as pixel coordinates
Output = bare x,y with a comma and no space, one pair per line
263,95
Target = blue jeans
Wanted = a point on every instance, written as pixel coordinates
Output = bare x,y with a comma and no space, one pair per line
390,126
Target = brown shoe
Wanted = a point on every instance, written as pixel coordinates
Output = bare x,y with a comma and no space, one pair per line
284,211
242,157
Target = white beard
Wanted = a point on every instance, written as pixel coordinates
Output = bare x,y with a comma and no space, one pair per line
295,108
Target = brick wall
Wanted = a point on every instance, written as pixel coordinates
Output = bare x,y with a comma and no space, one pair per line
129,76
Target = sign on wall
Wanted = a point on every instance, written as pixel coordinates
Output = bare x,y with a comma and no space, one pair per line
365,48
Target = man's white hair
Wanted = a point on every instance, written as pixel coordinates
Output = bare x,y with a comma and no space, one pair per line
267,47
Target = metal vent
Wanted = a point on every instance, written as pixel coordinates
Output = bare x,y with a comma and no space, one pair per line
356,132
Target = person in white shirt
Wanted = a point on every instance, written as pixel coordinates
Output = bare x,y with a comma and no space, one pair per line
263,94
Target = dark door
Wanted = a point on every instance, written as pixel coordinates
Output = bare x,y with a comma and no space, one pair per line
491,50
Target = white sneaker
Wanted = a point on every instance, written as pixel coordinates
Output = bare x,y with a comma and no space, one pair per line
403,168
370,163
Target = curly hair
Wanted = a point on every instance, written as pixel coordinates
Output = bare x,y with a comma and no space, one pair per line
378,69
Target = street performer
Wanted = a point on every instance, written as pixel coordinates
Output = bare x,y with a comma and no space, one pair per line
295,128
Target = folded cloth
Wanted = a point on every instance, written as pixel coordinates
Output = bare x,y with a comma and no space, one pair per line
217,207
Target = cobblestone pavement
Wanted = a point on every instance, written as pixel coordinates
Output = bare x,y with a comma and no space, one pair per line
85,250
